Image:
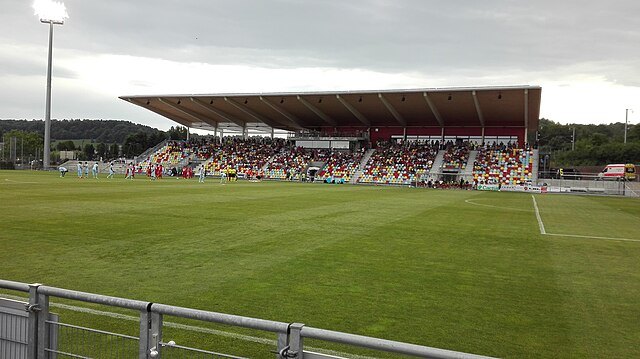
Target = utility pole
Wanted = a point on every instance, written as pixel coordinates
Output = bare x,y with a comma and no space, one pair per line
626,121
573,139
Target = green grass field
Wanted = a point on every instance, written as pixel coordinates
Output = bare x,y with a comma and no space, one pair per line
459,270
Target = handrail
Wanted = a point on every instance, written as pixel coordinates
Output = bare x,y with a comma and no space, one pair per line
7,284
222,318
384,344
245,322
94,298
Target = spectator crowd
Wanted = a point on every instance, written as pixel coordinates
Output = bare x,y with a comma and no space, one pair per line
392,162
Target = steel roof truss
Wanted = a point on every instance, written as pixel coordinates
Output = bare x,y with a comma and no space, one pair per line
189,113
353,110
317,111
294,120
161,113
392,110
270,123
434,109
478,109
223,115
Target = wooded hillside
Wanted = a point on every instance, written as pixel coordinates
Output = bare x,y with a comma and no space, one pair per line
108,131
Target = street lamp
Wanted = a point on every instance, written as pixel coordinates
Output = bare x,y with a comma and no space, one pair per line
52,13
626,120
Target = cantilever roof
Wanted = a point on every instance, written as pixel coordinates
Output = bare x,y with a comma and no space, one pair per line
510,106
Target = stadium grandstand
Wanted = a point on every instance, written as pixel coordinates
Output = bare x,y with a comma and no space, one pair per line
429,137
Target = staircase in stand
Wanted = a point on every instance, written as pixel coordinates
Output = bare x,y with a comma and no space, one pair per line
363,162
436,169
468,171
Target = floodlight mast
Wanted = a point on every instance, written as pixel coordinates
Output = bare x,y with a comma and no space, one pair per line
47,114
52,13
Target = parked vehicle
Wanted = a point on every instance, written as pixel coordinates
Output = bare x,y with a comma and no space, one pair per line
624,172
568,173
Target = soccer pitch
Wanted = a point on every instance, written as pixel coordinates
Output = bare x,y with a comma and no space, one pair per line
460,270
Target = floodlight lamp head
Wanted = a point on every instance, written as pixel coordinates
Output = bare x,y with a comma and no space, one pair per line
50,12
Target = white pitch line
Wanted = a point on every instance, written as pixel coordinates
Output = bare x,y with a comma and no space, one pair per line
593,237
492,206
540,224
18,182
543,232
192,328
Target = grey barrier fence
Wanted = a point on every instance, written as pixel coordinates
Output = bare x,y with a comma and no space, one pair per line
14,330
45,335
590,185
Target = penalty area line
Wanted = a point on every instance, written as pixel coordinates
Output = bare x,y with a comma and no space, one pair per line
544,232
540,224
593,237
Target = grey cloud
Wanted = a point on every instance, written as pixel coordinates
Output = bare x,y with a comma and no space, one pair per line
377,35
460,39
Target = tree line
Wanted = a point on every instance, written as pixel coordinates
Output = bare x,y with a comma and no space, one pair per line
90,139
588,145
566,145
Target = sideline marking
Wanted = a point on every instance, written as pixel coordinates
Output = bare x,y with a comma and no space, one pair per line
540,224
19,182
492,206
248,338
543,232
593,237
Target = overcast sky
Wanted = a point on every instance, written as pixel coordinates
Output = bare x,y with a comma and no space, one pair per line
584,54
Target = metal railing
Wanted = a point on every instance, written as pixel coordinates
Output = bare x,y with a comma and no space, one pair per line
290,336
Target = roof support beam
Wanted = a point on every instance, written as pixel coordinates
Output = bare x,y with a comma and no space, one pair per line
221,114
478,109
526,115
353,110
393,111
434,109
249,112
294,120
317,111
160,112
189,113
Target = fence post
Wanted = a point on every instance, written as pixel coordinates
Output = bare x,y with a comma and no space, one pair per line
282,343
296,342
143,349
43,327
32,307
155,337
